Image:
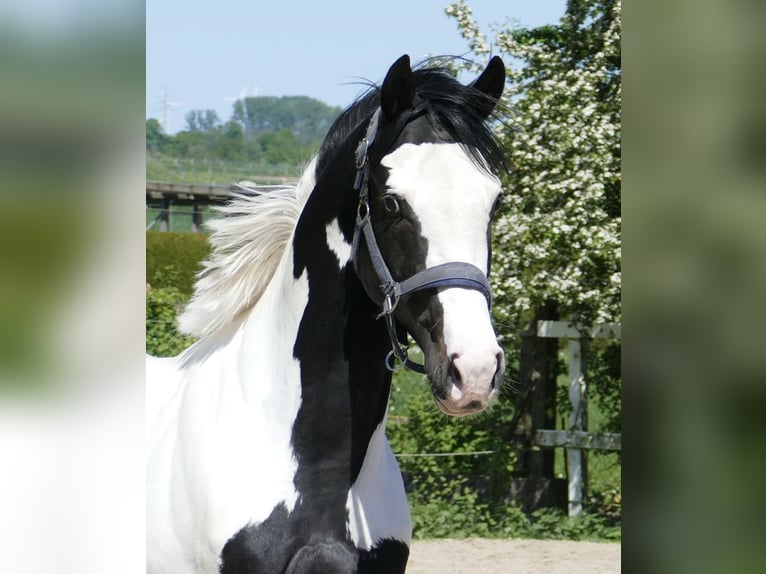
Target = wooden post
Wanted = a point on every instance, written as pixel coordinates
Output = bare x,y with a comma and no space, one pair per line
576,462
536,408
165,214
197,218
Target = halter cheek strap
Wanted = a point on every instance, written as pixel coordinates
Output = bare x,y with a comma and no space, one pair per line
452,274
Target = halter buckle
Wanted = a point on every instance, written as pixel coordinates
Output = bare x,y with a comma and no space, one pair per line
389,304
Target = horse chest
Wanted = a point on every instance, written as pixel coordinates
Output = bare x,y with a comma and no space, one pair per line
234,499
362,529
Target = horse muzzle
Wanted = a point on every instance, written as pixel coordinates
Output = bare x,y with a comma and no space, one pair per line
466,383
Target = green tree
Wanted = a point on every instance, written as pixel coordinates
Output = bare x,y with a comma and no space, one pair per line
202,121
558,234
188,144
283,146
155,137
230,141
308,119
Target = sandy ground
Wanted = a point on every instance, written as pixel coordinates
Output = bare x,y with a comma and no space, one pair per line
482,556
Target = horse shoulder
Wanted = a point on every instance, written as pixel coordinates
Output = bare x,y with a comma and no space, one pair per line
208,452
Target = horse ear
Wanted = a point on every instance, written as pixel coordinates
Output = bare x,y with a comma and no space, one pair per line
398,89
491,83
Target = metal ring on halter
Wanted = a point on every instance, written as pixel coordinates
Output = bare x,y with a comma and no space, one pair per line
390,304
391,361
362,211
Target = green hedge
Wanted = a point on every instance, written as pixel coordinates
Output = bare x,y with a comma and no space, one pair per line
468,493
172,259
162,307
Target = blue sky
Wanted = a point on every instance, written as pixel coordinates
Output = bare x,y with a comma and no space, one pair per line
204,55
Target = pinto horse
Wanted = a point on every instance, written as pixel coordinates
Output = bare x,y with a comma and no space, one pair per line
267,450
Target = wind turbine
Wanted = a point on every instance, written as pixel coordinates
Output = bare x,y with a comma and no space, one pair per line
241,96
167,105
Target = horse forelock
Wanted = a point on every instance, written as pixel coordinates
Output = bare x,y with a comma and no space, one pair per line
454,111
247,245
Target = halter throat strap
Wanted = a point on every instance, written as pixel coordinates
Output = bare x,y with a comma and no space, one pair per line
446,275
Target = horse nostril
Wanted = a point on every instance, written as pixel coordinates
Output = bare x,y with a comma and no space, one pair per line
453,371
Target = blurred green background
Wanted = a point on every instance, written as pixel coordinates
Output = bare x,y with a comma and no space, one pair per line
71,286
695,247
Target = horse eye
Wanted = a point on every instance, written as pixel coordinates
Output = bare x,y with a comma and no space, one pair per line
390,204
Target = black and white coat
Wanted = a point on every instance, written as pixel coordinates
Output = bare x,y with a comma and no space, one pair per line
266,439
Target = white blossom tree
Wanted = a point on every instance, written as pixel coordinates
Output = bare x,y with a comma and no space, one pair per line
557,236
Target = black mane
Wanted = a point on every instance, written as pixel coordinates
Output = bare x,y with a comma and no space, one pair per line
452,109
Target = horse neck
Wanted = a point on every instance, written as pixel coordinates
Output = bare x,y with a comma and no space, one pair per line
340,345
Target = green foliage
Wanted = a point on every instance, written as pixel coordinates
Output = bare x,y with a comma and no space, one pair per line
162,307
467,495
553,524
605,388
557,235
194,144
155,137
557,242
231,141
456,494
308,119
263,133
172,259
283,147
202,121
160,167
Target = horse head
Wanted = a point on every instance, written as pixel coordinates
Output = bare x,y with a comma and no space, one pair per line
427,192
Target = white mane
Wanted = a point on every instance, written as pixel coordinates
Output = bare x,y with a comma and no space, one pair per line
247,245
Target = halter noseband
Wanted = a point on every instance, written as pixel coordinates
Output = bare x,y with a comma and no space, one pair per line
452,274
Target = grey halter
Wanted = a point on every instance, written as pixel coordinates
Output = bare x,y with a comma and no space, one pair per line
452,274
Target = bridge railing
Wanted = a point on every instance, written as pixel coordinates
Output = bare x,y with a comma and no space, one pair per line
164,200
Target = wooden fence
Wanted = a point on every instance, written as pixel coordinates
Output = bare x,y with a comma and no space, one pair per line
536,410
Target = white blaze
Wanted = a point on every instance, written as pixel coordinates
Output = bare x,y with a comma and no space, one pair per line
452,199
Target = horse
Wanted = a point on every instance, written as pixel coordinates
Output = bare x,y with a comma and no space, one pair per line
267,450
